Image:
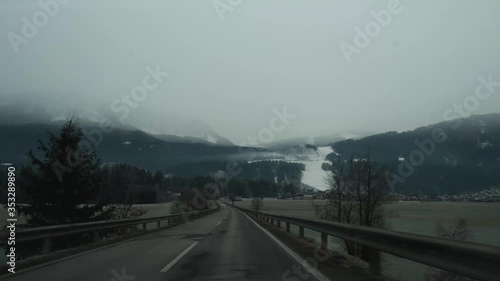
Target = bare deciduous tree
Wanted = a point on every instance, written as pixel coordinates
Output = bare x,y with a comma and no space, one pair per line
257,203
358,191
459,231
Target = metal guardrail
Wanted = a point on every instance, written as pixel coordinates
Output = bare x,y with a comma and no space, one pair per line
478,261
47,233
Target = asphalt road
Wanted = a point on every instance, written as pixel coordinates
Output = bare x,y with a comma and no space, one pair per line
226,245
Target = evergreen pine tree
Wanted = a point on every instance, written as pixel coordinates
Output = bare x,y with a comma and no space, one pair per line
63,186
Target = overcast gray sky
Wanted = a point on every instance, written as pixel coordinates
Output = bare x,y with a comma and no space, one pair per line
264,54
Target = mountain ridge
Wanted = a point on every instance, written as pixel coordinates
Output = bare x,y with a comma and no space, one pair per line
469,158
26,109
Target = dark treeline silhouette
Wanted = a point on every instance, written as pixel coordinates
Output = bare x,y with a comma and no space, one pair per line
124,183
268,170
260,188
127,184
268,178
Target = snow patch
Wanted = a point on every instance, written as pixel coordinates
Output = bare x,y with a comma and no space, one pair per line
313,174
211,139
350,136
484,145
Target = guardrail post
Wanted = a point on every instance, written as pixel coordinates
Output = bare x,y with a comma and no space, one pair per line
159,224
374,260
46,246
95,236
324,241
267,219
272,221
144,227
287,227
301,231
279,224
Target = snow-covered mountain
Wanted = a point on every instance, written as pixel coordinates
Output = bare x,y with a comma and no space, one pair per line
162,124
26,109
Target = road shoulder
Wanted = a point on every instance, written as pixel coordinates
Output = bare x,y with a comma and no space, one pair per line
337,267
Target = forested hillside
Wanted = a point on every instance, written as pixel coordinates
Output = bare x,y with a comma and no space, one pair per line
117,145
468,159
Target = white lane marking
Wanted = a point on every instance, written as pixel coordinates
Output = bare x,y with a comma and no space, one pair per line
300,260
168,266
93,250
221,221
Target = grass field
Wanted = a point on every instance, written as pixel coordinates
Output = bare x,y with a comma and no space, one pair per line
413,217
156,210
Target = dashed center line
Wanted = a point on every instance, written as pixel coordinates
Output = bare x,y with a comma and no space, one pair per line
220,221
174,261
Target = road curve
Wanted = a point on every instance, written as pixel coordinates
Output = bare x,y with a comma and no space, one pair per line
226,245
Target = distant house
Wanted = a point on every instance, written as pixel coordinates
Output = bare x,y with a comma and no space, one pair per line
495,197
299,197
286,195
320,195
